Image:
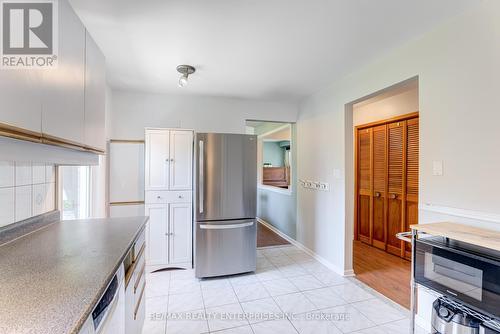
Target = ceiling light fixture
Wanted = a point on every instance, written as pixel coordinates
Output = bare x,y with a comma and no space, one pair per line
185,70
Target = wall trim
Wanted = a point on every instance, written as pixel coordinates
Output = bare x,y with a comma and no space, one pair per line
471,214
322,260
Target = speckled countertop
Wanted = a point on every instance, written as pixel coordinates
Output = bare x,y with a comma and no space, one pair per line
51,279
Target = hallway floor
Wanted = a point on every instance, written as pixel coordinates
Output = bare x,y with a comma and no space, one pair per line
289,293
267,238
383,272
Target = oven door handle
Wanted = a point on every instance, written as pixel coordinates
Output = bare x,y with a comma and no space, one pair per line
405,236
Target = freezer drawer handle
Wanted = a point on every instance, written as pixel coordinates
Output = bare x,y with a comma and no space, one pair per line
225,227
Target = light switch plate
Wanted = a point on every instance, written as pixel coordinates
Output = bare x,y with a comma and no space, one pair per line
437,168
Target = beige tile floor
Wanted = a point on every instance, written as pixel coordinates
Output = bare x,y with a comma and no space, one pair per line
289,293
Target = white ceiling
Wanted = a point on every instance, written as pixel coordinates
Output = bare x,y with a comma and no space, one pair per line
263,49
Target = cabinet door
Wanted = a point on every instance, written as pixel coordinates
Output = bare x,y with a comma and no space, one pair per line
21,99
412,157
364,185
63,98
396,172
157,230
95,95
379,185
157,159
180,233
181,160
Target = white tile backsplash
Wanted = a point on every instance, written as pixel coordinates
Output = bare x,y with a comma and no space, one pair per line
23,202
38,173
24,174
6,206
50,174
39,196
26,190
7,174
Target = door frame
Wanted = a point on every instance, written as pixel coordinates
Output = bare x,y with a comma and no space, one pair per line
356,162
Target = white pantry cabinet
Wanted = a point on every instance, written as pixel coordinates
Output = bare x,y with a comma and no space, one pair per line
157,159
168,183
169,159
169,234
157,234
63,113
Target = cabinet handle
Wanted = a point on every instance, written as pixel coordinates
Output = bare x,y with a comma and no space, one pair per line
171,160
377,194
180,196
394,196
158,197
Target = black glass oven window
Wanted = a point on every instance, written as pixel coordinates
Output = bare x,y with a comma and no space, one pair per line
456,276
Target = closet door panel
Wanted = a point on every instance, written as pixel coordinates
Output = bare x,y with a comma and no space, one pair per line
395,185
379,186
364,186
412,170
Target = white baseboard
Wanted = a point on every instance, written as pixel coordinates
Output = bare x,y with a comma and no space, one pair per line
297,244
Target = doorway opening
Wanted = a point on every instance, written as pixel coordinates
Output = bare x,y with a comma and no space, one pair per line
386,170
276,186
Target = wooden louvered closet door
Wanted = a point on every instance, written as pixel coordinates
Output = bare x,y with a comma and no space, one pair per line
379,186
387,184
396,172
412,154
364,180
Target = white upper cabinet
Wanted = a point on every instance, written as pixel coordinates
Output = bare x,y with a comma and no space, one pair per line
21,99
66,102
157,159
63,114
169,159
181,160
95,95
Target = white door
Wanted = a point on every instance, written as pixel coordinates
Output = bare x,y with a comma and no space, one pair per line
157,159
181,160
157,238
180,232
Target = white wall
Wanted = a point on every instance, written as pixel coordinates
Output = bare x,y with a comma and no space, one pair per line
132,112
395,105
458,65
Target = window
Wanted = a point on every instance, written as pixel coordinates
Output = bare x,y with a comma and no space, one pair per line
274,153
75,192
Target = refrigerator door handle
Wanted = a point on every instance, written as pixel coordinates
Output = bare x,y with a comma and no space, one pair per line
225,226
201,178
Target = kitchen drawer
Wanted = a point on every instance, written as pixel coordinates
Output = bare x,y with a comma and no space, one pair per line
139,276
163,197
139,242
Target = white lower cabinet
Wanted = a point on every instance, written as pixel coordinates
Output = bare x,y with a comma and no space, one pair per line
169,235
135,294
180,233
157,234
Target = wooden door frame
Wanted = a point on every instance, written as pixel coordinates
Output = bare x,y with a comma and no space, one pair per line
356,162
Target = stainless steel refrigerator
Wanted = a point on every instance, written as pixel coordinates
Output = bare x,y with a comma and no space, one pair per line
225,204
